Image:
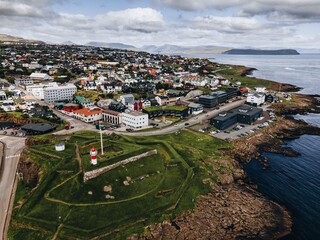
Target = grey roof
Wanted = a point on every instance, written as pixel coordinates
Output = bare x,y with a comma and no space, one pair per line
38,127
207,97
224,116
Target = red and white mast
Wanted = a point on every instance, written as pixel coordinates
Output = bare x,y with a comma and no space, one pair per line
93,154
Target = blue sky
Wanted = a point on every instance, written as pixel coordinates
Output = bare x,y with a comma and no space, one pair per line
230,23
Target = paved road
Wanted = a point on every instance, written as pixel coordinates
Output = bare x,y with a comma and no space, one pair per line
192,121
7,178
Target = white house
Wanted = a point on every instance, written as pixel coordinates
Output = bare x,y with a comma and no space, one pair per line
127,98
256,99
261,89
135,119
88,115
8,106
3,96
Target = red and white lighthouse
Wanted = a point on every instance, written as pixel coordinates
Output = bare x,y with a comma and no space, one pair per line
93,154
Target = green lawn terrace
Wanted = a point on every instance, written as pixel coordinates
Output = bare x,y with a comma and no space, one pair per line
120,202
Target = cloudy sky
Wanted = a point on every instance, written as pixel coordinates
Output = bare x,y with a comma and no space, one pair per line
231,23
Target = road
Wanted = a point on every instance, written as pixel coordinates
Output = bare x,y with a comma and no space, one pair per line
192,121
79,125
14,147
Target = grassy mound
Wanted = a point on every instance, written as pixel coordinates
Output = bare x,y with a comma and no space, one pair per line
120,202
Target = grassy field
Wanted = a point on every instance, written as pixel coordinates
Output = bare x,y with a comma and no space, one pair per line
160,186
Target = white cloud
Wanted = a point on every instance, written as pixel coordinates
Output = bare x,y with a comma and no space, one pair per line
226,24
136,19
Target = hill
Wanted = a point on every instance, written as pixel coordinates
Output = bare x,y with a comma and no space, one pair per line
13,39
175,49
262,52
112,45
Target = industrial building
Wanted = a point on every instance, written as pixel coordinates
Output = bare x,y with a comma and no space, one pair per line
244,114
208,101
220,95
38,128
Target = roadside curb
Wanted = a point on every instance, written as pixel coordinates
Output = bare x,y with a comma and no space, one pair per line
3,152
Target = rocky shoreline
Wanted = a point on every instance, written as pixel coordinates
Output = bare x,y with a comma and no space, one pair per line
272,139
235,210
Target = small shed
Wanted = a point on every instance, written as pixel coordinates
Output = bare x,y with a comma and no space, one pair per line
60,146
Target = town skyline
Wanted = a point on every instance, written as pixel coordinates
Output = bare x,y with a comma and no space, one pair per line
236,24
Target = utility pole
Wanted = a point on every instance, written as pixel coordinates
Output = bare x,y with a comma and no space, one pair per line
101,140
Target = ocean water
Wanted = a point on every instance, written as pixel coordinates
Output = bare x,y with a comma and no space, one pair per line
301,70
291,181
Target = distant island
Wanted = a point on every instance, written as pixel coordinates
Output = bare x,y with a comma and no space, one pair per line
262,52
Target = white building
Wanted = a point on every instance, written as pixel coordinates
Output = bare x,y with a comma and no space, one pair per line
23,81
135,119
3,96
40,76
8,106
256,99
88,115
127,98
37,90
261,89
59,93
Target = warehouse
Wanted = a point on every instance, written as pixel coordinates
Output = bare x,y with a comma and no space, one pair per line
37,128
244,114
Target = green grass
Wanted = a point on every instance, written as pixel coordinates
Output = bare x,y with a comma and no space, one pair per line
161,185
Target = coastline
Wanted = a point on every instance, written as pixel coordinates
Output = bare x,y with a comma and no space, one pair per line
245,149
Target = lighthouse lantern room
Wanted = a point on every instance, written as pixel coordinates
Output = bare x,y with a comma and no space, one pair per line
93,154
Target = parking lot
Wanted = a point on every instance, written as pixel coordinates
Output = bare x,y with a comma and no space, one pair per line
241,130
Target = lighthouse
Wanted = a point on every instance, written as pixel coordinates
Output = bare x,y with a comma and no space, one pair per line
93,154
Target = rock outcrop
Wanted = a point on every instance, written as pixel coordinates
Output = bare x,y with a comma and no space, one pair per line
235,212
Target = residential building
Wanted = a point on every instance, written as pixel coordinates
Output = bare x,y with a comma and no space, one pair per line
23,81
88,115
261,89
255,99
164,100
135,119
3,96
271,97
60,93
40,76
195,108
84,102
8,106
170,110
127,98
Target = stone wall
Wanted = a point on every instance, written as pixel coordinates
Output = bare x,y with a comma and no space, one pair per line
95,173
